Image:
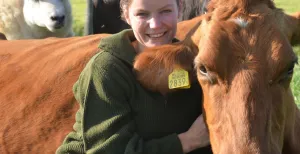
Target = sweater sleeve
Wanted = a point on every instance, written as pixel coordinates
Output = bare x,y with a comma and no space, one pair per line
104,122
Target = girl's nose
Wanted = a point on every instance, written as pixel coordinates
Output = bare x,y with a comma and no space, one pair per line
155,22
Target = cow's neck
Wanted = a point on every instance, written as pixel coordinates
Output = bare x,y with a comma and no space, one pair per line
296,134
291,144
292,129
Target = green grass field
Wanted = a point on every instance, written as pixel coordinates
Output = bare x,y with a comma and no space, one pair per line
289,6
79,7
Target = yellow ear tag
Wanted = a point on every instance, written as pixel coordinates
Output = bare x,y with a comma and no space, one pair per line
179,79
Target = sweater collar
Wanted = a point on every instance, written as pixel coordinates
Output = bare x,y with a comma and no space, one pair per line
120,45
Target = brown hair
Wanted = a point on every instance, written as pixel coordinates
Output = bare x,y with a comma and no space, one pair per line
124,4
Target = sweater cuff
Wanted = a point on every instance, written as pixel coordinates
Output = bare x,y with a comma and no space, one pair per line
175,146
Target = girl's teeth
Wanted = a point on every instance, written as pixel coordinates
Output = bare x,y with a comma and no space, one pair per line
156,35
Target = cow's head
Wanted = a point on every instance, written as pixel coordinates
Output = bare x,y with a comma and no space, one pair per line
244,64
52,15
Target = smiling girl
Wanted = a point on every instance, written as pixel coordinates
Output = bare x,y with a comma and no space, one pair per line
117,115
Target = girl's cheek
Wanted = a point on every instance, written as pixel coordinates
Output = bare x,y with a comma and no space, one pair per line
136,22
169,18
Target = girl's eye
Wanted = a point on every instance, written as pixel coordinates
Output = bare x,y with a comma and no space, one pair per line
141,14
166,11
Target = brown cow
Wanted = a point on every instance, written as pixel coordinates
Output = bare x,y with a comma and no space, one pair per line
243,59
37,106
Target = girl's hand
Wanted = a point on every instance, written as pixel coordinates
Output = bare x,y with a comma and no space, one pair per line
196,137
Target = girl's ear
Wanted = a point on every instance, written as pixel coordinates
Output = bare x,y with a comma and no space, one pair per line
180,8
126,16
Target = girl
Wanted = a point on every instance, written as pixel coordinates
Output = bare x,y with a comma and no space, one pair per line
119,116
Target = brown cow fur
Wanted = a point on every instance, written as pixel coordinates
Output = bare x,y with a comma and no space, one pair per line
38,75
294,27
244,73
145,63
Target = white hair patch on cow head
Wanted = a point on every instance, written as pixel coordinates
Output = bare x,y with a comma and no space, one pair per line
241,22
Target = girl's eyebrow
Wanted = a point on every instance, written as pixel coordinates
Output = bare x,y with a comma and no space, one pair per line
166,6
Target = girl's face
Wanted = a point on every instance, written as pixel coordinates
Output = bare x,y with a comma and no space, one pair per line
154,22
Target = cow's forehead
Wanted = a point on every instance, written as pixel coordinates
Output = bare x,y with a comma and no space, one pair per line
247,39
240,21
244,31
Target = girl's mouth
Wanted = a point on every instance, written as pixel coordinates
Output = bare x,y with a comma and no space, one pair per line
158,35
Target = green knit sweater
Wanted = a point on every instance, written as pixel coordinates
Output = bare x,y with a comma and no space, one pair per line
117,115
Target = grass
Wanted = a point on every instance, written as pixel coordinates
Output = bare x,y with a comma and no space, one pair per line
296,85
296,79
289,6
79,7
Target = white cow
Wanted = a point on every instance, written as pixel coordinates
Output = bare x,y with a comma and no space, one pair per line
35,19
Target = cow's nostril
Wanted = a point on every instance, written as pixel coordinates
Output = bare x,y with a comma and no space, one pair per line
62,18
57,18
54,18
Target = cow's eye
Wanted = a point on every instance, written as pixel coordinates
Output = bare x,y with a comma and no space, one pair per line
203,70
205,75
291,67
287,76
291,70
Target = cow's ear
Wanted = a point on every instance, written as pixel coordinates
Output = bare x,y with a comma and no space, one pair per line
2,36
153,66
292,28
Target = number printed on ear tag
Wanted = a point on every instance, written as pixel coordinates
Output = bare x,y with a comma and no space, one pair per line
179,78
